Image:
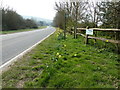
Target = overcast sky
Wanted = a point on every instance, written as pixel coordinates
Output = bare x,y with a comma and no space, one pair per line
37,8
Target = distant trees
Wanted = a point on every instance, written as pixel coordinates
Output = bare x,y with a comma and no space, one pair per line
43,23
11,20
30,23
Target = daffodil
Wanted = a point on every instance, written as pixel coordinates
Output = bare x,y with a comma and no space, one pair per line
75,54
57,54
64,45
107,41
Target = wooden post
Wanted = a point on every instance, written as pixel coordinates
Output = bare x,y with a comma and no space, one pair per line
71,31
76,24
86,38
117,45
74,32
64,25
95,40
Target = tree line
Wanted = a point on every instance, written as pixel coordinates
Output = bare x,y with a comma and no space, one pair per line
86,13
11,20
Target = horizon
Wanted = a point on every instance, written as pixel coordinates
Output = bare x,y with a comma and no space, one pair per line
34,17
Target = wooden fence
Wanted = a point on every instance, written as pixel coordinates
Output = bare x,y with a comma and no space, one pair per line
100,38
87,37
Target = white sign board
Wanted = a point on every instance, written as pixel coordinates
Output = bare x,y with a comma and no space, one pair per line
89,31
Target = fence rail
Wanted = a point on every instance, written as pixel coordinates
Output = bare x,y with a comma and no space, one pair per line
99,29
99,38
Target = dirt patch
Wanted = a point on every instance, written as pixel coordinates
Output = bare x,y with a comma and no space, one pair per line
20,84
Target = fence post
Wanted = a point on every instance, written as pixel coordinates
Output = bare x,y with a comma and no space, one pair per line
86,38
64,25
117,36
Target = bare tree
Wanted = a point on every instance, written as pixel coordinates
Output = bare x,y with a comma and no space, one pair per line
74,12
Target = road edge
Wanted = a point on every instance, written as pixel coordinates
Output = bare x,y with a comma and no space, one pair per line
7,65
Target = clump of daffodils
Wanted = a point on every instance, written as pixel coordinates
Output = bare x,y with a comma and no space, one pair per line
107,41
58,34
75,55
57,54
59,30
64,45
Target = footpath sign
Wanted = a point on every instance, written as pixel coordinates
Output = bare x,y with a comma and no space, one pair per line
89,31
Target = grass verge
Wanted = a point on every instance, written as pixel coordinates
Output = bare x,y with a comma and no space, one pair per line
20,30
58,63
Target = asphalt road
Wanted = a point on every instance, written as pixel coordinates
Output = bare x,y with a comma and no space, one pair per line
14,44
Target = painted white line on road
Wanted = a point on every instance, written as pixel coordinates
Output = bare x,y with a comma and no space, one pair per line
6,66
35,30
18,33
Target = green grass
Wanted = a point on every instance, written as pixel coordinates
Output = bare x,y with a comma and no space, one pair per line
59,63
20,30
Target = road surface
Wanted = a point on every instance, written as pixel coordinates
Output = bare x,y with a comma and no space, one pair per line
14,44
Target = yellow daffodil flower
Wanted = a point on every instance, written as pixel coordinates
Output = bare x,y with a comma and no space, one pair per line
107,41
57,54
75,54
64,45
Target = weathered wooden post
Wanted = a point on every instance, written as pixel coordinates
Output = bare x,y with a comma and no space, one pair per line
71,32
86,38
64,25
74,32
117,37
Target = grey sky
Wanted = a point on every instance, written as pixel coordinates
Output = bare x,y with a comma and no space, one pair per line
38,8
